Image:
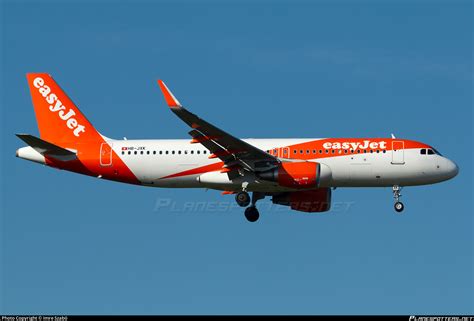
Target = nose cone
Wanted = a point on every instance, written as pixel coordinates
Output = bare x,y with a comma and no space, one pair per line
451,169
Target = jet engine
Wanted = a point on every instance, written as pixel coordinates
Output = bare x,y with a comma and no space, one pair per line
297,174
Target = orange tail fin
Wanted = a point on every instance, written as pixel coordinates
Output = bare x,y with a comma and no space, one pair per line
59,120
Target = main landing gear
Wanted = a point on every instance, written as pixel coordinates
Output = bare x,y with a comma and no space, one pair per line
251,214
396,195
243,199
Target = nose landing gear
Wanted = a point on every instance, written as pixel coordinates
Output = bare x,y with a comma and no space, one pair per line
396,195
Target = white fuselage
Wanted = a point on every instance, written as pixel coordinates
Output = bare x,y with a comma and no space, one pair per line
176,163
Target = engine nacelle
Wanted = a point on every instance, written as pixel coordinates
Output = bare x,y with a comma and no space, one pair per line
214,178
294,175
318,200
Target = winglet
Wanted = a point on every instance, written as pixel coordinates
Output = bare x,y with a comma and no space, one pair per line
169,97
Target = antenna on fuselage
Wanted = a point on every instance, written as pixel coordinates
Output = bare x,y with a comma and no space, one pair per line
393,136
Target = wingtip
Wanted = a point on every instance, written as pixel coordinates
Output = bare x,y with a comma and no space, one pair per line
169,97
20,135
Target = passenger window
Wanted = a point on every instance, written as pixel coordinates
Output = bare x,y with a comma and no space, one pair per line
301,151
166,152
314,151
320,151
172,152
307,151
192,152
430,152
123,153
141,152
161,152
345,151
332,151
129,152
358,151
198,152
327,151
179,152
204,152
423,151
148,152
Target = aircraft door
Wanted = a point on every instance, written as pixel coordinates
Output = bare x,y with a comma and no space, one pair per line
284,152
398,156
105,154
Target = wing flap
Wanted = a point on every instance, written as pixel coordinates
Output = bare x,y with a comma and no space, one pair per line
216,150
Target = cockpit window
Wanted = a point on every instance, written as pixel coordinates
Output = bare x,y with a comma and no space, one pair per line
429,151
436,152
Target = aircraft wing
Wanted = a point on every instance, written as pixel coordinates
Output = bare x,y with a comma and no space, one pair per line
221,144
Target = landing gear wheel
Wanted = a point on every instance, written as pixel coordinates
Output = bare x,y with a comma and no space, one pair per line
251,214
396,195
243,199
399,206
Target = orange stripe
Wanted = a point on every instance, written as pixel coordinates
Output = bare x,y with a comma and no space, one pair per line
199,170
88,163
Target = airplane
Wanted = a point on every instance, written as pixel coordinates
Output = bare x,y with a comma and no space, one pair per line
299,173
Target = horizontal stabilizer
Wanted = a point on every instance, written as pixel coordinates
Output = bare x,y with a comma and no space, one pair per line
47,149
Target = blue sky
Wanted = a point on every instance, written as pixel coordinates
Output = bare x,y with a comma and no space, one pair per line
72,244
